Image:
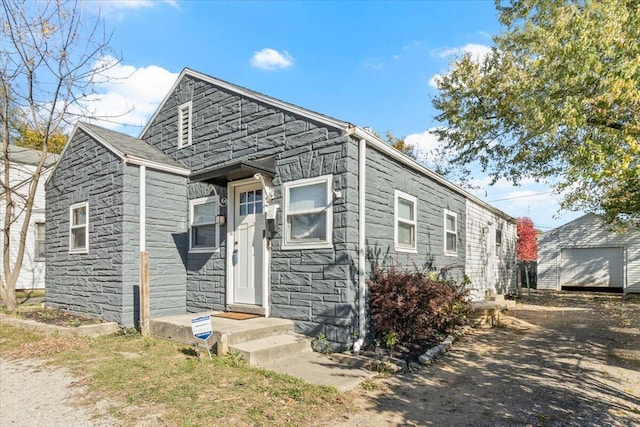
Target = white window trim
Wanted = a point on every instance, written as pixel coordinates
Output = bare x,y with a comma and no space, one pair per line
85,249
408,197
455,215
498,244
203,249
328,242
181,117
35,240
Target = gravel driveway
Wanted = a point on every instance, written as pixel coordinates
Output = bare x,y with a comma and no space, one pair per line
33,395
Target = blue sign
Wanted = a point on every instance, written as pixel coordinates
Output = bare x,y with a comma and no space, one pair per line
201,327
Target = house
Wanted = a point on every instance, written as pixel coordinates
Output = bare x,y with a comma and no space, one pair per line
247,203
491,250
23,162
586,254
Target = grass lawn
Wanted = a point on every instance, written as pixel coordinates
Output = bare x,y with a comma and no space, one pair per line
150,378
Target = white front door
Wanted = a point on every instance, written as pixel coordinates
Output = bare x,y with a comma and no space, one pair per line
247,257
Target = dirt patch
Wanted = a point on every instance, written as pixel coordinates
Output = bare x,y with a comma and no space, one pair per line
56,317
558,359
46,347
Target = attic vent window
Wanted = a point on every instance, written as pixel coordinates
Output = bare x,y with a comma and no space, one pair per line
184,125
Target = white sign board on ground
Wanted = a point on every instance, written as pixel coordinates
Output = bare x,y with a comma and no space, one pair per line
202,330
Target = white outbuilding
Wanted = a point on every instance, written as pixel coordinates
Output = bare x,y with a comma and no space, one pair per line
586,254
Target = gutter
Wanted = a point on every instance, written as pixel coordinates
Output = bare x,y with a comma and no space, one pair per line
388,150
362,284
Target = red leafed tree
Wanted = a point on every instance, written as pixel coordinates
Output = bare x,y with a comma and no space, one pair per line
527,245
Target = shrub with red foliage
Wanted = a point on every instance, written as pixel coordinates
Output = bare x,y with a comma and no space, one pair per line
527,245
414,306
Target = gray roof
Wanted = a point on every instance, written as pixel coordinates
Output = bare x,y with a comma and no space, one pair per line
27,156
129,146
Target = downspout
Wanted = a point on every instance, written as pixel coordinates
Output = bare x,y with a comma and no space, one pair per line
362,285
143,208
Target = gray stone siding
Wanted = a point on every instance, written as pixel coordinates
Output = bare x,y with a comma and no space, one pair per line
206,286
385,175
89,283
316,288
166,242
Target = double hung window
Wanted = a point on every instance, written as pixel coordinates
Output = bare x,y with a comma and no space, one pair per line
79,228
203,230
308,213
450,233
405,222
40,235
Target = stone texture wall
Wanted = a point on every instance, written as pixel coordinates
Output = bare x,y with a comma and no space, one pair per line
105,281
166,242
206,286
316,288
383,177
90,283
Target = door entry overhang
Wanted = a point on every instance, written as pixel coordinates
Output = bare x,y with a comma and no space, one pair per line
235,171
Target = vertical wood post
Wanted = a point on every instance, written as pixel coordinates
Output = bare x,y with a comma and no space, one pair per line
144,294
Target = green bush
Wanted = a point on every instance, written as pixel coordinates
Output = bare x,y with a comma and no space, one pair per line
414,306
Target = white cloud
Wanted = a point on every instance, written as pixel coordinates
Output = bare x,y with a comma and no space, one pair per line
413,44
110,5
433,81
271,59
424,142
477,51
128,95
374,63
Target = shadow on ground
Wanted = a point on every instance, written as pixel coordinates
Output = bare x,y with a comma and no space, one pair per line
543,368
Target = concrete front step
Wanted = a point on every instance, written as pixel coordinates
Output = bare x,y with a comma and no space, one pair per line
178,328
259,352
258,340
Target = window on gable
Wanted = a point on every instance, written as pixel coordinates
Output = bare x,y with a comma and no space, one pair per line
450,233
79,228
308,213
40,234
203,230
405,222
184,125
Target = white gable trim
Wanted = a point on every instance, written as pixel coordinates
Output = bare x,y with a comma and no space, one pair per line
156,166
125,158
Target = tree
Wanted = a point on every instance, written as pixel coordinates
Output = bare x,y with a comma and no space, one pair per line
557,99
401,145
31,138
50,61
527,245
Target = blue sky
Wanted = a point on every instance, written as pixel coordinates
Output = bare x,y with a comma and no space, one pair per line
369,63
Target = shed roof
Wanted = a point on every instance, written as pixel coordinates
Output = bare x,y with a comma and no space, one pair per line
27,156
127,146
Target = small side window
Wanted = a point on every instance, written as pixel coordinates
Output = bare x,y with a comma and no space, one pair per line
79,228
498,242
405,222
40,235
203,230
450,233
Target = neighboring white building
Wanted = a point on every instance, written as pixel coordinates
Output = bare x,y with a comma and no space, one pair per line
23,165
491,250
585,253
